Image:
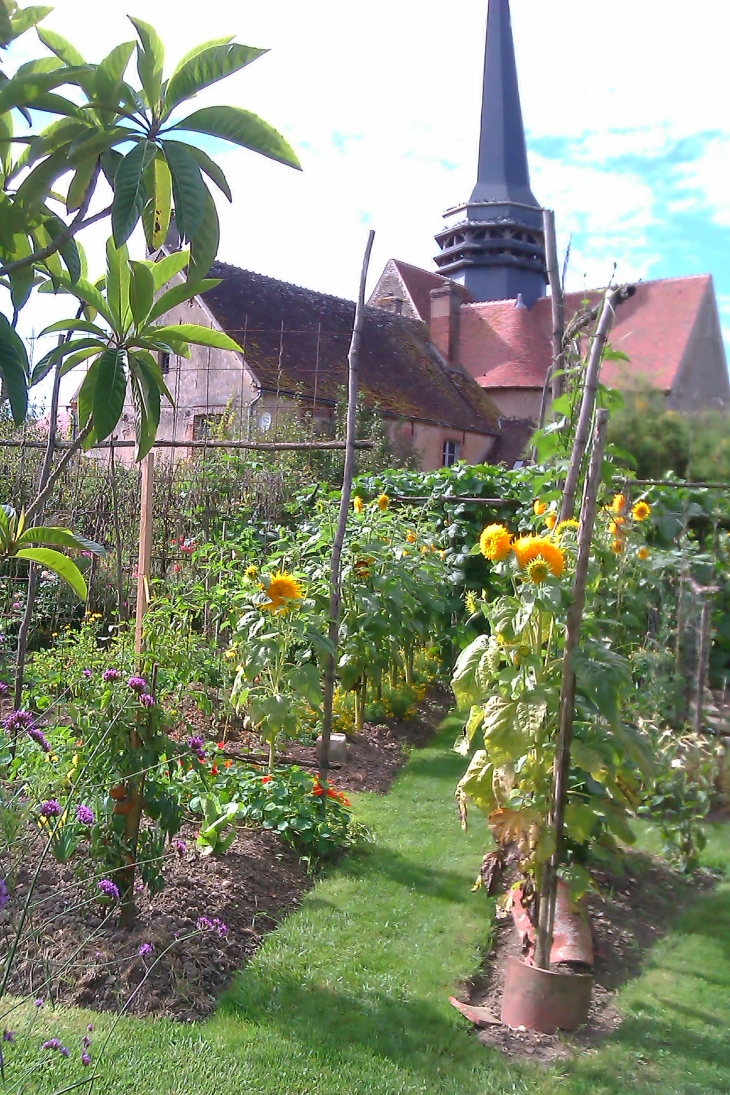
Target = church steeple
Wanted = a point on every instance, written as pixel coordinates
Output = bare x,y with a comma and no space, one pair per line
494,243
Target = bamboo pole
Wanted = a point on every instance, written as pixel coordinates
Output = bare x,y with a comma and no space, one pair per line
561,769
335,575
590,387
557,303
145,549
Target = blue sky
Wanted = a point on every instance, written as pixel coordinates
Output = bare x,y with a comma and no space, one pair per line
625,106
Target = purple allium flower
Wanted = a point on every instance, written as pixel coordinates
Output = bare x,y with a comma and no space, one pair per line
86,1041
110,675
204,924
90,1028
52,808
197,745
220,927
39,738
85,1059
17,606
85,815
180,846
38,1003
65,1051
4,690
87,673
137,684
145,949
4,895
108,889
19,720
52,1043
8,1035
146,700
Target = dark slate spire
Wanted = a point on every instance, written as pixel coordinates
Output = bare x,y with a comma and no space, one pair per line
494,244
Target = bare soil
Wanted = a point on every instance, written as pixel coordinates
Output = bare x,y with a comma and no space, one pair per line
628,917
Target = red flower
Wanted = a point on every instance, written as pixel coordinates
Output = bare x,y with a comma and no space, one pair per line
338,795
221,745
227,763
214,770
318,790
266,779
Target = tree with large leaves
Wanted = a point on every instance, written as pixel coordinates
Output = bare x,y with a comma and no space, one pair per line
140,139
121,337
40,544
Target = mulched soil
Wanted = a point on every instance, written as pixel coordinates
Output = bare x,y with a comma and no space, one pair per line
629,916
250,889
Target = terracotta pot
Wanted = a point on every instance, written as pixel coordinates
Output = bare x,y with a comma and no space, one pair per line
544,1001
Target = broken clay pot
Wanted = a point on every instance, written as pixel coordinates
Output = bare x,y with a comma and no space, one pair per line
544,1001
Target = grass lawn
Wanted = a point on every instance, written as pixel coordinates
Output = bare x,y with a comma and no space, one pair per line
350,994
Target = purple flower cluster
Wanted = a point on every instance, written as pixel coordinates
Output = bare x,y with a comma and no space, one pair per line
87,673
85,1059
8,1035
110,675
17,721
203,924
51,808
147,700
145,949
197,745
38,1003
4,690
4,895
54,1043
39,738
85,815
180,846
137,684
108,889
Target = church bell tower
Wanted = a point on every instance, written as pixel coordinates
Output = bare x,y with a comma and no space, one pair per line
494,243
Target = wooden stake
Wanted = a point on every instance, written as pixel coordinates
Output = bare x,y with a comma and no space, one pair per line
561,768
556,301
145,548
335,590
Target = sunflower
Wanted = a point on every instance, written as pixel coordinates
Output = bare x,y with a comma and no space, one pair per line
251,571
528,548
538,507
411,538
538,570
619,503
281,591
358,504
383,502
565,525
641,511
551,520
617,547
362,568
495,542
643,553
616,529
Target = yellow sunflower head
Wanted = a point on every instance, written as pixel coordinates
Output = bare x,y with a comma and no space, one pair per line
564,526
537,570
383,502
643,553
495,542
251,572
615,528
617,546
619,503
357,504
538,507
470,599
551,520
411,538
641,511
282,590
528,548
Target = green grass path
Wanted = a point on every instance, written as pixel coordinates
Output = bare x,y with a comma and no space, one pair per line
350,994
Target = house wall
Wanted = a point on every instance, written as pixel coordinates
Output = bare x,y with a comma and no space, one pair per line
427,441
517,402
702,377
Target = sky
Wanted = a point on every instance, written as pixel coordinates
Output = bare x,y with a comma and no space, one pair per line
625,106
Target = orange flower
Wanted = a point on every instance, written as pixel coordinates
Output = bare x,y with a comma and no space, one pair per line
538,507
619,503
411,538
281,591
495,542
528,548
643,553
227,763
617,547
383,502
357,504
551,520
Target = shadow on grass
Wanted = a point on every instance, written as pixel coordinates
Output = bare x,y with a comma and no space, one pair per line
390,864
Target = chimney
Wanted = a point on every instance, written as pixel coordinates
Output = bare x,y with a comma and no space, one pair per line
445,323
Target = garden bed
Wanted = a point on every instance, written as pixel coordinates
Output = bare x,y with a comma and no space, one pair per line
632,913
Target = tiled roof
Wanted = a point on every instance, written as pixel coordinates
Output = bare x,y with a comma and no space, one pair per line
419,284
400,371
504,346
514,436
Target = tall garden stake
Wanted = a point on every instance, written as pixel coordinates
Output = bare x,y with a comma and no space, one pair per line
335,588
553,382
561,769
590,387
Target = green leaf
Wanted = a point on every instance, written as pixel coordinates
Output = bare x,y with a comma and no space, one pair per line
156,214
68,54
93,143
26,18
601,675
200,336
79,185
75,359
189,190
89,294
110,73
206,68
150,60
141,292
204,246
199,49
109,391
14,370
464,680
33,190
580,821
146,409
59,537
587,758
243,128
73,325
117,285
6,146
68,250
85,396
60,564
477,783
211,169
178,294
129,192
165,269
